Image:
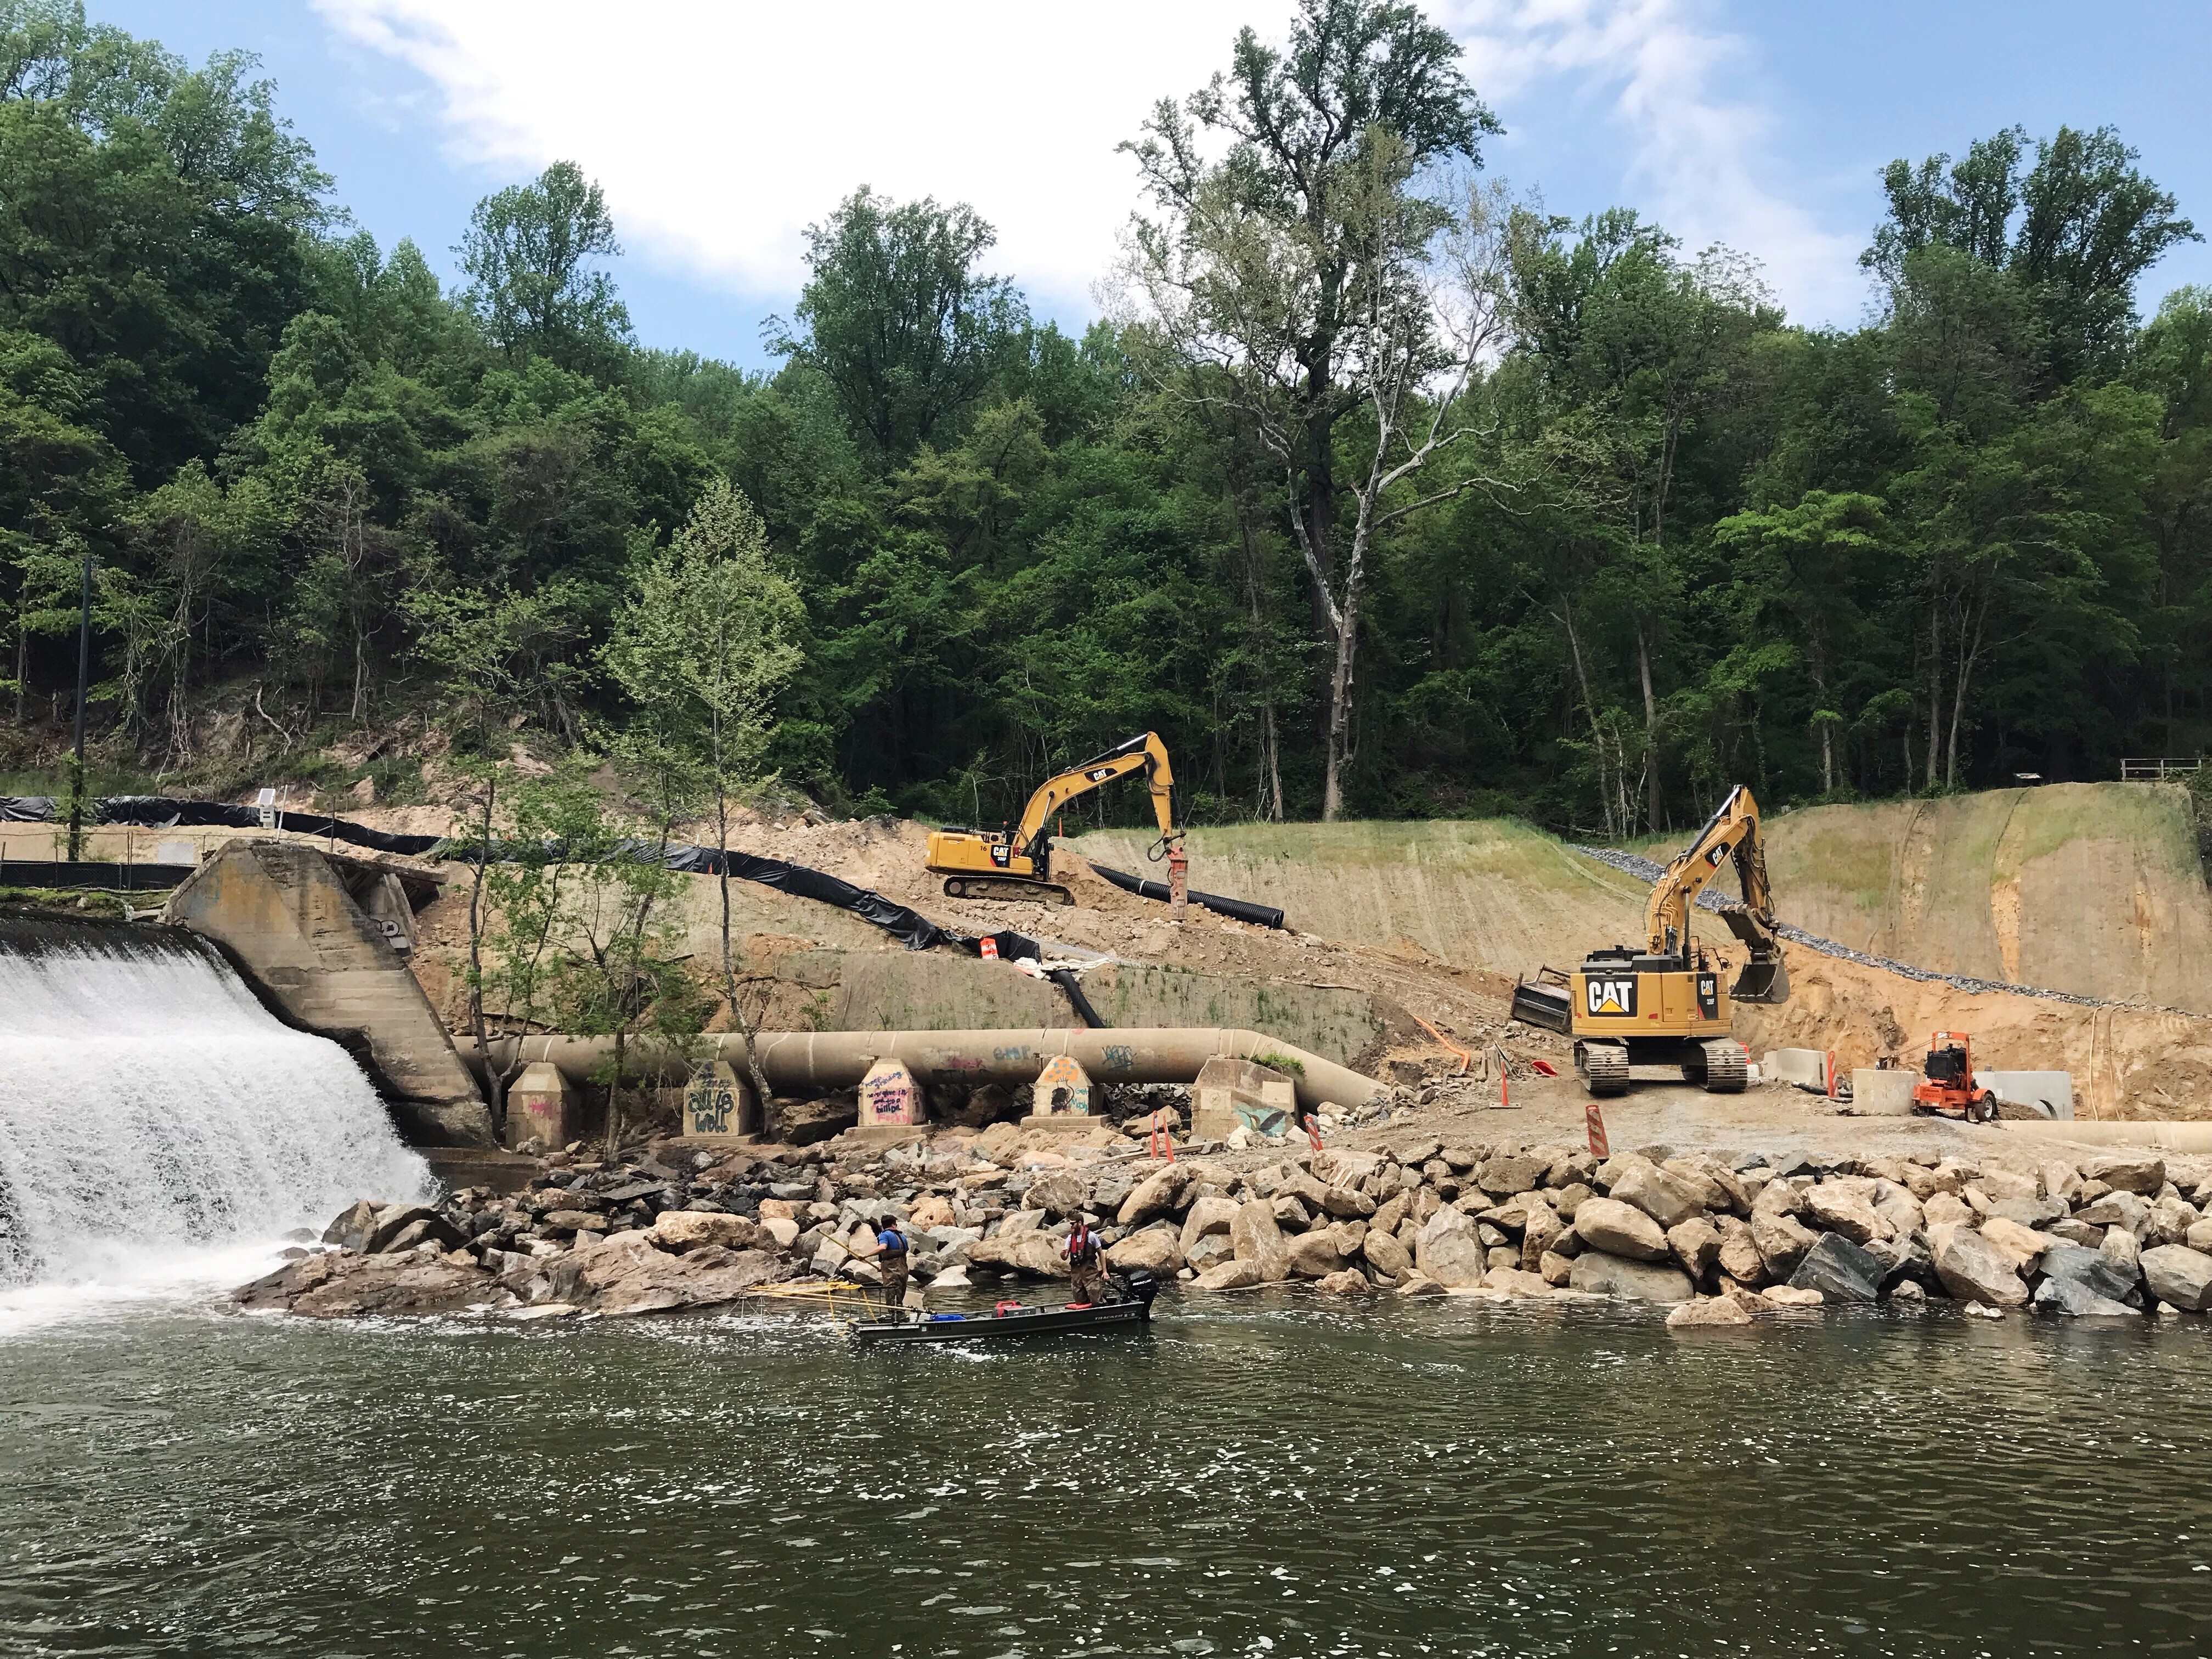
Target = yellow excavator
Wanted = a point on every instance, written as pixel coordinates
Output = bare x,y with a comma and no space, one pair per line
1017,864
1663,1004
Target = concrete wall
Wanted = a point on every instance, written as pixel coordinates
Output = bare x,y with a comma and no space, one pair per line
284,914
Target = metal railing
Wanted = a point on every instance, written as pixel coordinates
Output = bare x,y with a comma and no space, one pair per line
2157,771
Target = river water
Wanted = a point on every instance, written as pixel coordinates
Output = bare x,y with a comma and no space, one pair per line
1259,1476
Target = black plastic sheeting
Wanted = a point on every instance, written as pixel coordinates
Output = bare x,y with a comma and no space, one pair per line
902,922
109,877
1260,915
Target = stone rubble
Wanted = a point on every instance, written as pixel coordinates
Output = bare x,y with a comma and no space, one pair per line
1722,1239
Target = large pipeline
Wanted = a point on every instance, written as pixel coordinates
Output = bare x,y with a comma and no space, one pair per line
796,1061
2166,1135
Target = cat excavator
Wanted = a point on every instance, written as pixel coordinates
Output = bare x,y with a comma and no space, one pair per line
1017,864
1663,1004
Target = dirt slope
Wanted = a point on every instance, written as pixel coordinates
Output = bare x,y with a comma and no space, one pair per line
2091,888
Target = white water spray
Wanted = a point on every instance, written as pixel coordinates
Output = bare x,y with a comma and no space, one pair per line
149,1105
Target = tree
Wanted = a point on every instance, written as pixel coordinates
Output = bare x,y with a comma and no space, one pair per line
2075,230
897,318
703,646
485,649
528,251
1298,273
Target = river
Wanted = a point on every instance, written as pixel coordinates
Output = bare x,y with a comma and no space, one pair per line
1260,1475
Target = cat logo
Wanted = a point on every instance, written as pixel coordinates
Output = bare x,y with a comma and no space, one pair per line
1610,998
1000,854
1098,774
1717,853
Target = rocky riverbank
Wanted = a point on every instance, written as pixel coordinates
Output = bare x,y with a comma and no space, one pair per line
1716,1237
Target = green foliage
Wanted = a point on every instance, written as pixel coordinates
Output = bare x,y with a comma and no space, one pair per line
1672,542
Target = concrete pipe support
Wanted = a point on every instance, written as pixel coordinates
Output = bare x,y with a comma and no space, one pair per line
800,1060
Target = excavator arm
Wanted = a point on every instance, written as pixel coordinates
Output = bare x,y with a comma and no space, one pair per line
1731,833
1143,753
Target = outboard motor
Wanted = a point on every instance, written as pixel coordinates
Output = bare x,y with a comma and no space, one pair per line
1140,1285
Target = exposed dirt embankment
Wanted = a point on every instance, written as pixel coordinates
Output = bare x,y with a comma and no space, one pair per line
2105,878
2091,888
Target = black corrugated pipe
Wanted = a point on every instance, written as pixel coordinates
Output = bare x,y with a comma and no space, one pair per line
1260,915
1065,978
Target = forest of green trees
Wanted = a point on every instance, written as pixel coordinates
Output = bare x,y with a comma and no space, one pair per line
1378,492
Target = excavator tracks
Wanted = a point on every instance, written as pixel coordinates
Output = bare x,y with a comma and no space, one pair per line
1007,887
1722,1072
1603,1066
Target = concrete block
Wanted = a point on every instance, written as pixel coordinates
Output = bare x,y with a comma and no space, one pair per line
1062,1087
2050,1092
888,1094
541,1106
1796,1065
1229,1093
1876,1093
283,912
719,1105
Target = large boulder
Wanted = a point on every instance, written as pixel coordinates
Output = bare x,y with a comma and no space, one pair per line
1600,1274
1347,1202
1346,1282
1621,1229
1662,1195
627,1274
403,1226
2170,1220
2179,1277
1210,1214
1057,1195
2140,1173
346,1285
1739,1255
1509,1173
2084,1276
1154,1249
687,1230
1230,1276
1256,1238
2117,1209
353,1228
1972,1269
1153,1196
1386,1256
2073,1298
1450,1253
1315,1255
1943,1209
1840,1270
1708,1310
1840,1209
2024,1245
1782,1240
1539,1228
1696,1244
2035,1212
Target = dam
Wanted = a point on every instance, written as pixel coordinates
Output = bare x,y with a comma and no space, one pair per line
150,1106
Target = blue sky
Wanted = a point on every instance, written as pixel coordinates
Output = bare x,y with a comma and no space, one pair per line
719,129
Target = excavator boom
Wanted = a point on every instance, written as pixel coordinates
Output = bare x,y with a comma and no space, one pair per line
1731,835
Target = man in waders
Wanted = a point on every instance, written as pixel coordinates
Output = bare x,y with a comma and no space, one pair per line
1083,1269
890,1261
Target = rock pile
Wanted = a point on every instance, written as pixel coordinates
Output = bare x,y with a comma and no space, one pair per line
671,1228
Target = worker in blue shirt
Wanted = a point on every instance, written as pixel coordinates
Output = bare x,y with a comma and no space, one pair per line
890,1261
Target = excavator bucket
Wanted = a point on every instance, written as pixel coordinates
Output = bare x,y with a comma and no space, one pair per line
1546,1006
1762,981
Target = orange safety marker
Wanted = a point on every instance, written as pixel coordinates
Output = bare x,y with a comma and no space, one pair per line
1446,1044
1831,1070
1596,1121
1162,1143
990,948
1313,1131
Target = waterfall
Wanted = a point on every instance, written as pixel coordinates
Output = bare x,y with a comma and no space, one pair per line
149,1104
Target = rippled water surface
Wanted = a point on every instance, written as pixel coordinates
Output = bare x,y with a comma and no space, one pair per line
1259,1476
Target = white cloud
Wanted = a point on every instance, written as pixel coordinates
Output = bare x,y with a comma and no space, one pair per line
722,129
1695,159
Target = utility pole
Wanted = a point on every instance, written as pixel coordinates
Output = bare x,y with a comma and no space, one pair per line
83,675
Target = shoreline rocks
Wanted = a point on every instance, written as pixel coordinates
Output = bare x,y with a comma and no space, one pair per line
681,1225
